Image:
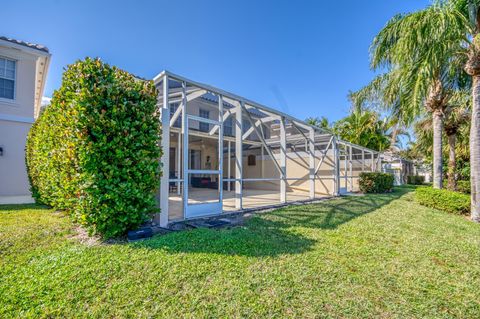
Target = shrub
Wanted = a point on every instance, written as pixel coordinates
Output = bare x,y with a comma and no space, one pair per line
442,199
94,151
415,179
464,187
30,157
372,182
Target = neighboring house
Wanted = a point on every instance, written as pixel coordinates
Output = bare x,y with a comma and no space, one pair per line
23,71
399,167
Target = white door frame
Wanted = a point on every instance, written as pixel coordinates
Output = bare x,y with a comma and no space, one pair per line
203,209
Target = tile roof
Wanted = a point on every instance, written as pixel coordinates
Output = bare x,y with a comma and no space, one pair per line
26,44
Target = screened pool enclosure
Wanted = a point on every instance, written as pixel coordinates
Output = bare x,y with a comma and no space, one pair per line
223,153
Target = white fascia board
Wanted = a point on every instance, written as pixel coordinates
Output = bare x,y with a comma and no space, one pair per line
43,80
24,48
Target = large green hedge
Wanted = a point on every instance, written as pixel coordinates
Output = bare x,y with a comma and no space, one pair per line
374,182
464,187
442,199
94,150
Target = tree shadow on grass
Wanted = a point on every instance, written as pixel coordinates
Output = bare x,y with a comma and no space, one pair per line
331,214
258,237
274,233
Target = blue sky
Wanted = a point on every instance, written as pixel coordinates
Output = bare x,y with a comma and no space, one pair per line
301,57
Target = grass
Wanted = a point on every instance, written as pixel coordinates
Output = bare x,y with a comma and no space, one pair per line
359,257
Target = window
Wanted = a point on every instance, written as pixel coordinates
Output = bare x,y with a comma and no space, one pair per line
204,127
7,78
173,109
228,127
252,160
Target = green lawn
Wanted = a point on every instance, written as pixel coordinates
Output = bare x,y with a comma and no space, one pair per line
362,256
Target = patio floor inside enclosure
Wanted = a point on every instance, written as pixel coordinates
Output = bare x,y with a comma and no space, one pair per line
225,153
253,198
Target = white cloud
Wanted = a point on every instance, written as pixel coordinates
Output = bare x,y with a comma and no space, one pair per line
45,100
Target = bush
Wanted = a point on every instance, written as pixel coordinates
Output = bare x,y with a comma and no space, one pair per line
94,151
415,180
442,199
464,187
375,182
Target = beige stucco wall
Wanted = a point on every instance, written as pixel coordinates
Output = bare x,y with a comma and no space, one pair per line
297,166
14,128
13,175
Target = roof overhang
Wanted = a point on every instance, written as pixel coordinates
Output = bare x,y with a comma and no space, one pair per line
159,78
41,68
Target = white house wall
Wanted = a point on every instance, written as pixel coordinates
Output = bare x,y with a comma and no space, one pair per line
16,118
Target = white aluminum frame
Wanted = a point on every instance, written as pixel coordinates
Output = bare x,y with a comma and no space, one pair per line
191,90
202,209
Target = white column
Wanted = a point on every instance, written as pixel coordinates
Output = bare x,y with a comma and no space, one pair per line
350,166
311,155
336,168
283,161
185,150
220,148
345,164
238,156
163,216
363,160
262,154
229,164
373,162
179,161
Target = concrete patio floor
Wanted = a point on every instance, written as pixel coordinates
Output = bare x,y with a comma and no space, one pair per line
252,198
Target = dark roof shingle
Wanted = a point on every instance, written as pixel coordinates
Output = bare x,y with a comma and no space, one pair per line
26,44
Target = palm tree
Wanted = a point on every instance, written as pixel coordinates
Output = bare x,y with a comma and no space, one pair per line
469,40
459,34
424,137
363,127
457,115
321,122
382,95
421,74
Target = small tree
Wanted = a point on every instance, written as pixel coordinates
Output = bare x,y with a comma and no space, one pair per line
94,151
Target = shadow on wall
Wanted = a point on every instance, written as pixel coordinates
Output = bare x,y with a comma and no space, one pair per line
274,233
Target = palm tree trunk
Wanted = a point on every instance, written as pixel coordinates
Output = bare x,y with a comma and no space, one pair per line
393,139
472,67
452,161
475,150
437,148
